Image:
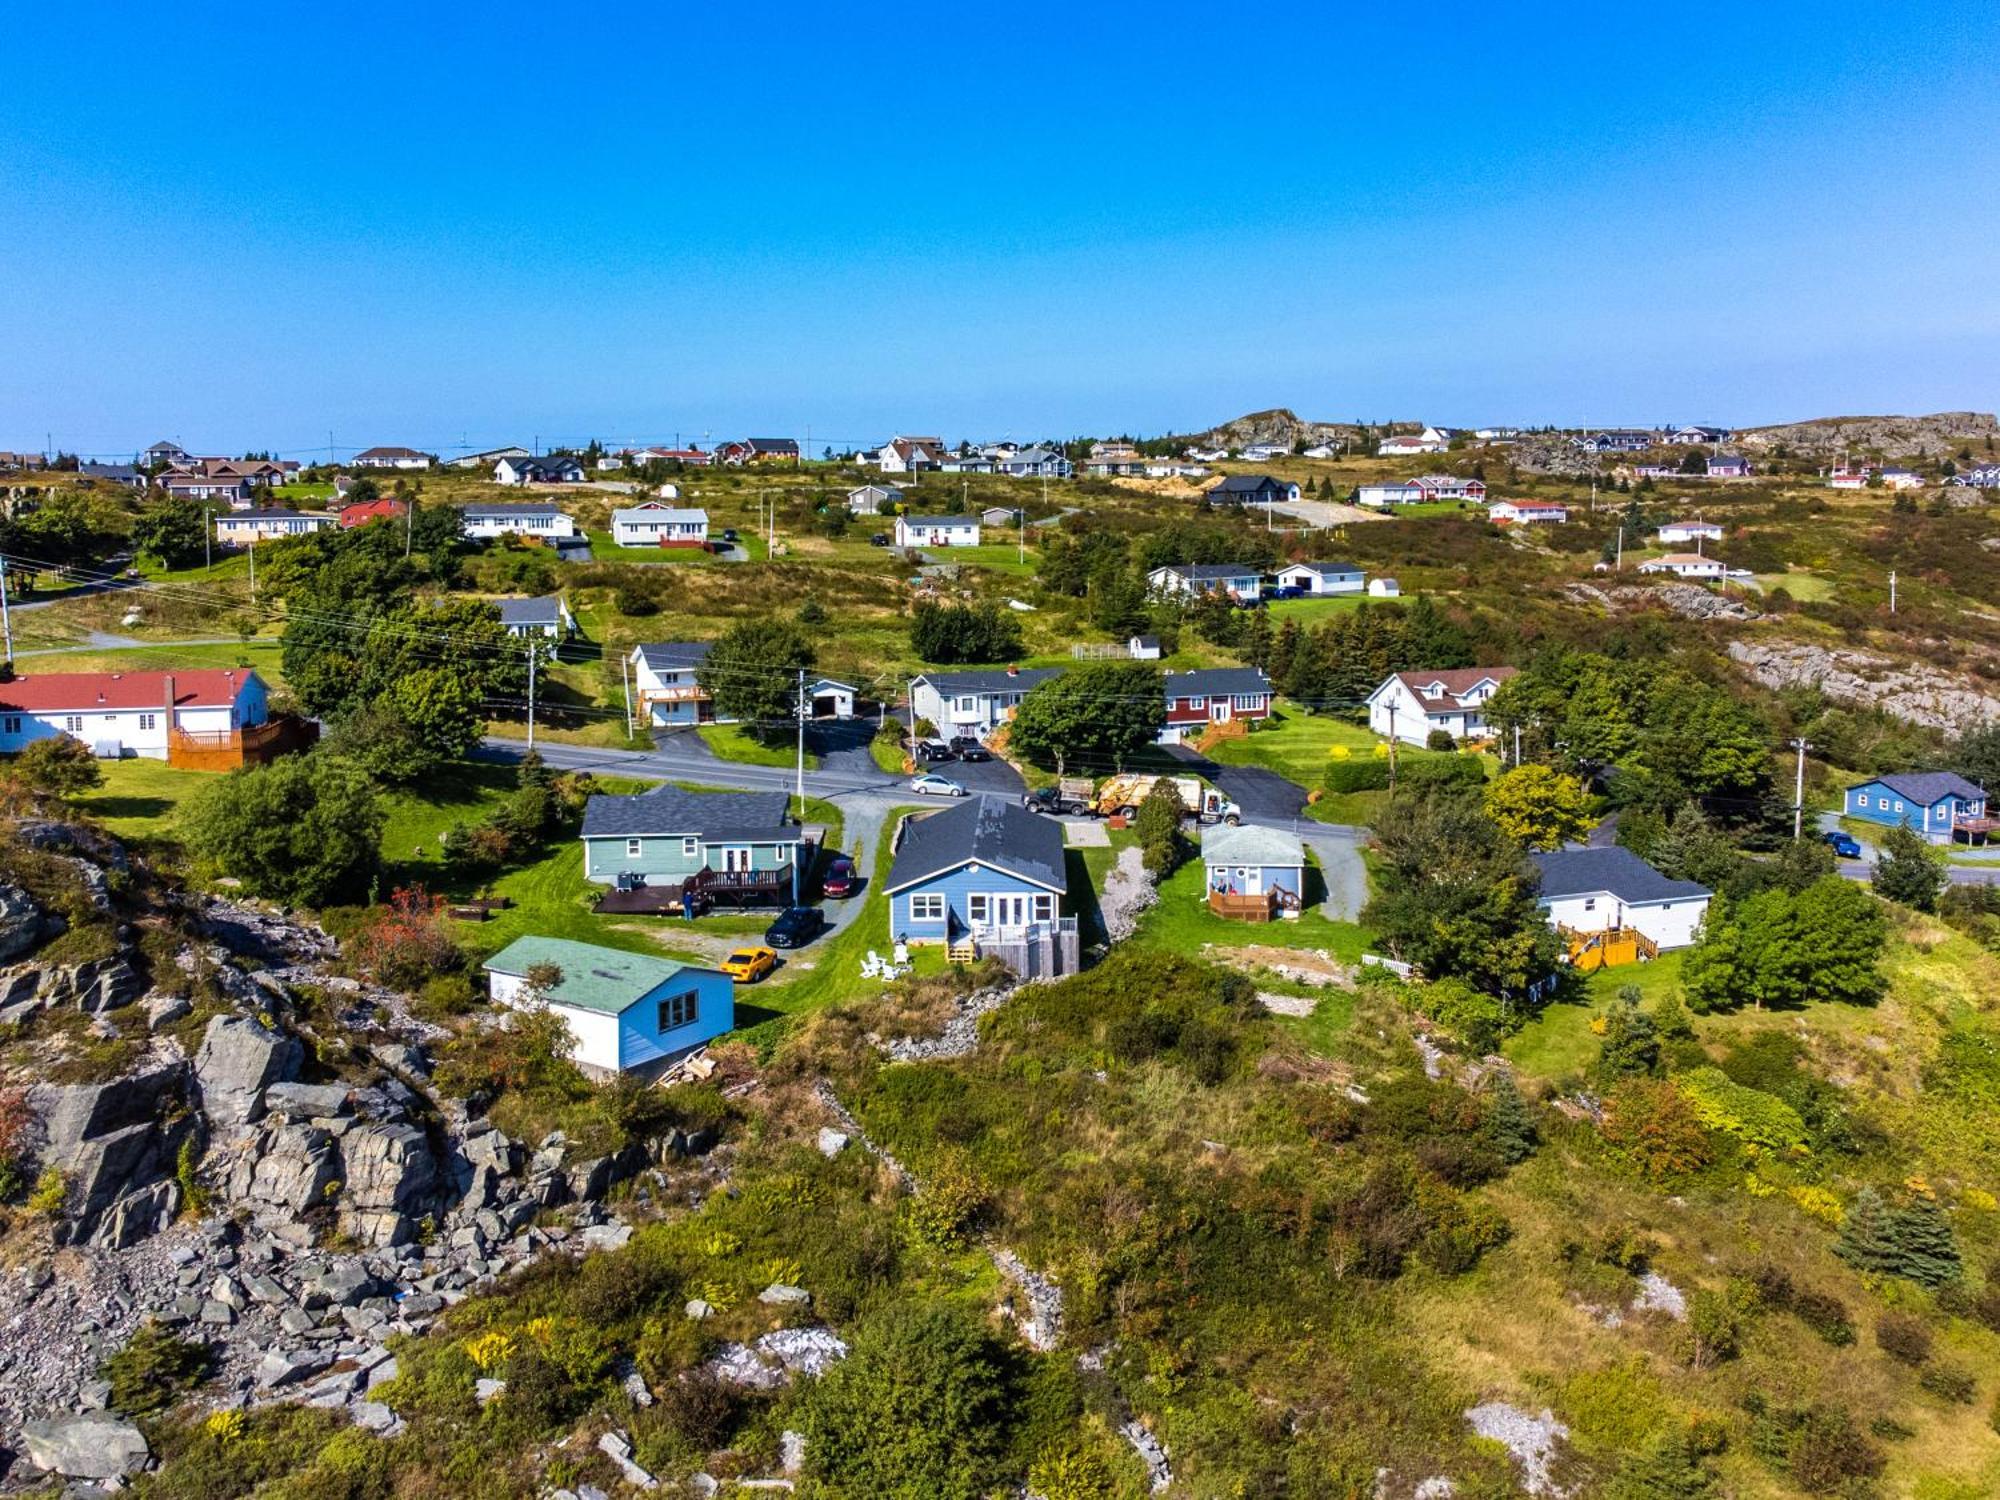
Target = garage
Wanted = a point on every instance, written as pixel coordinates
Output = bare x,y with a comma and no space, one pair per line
832,700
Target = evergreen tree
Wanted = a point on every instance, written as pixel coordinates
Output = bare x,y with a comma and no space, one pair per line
1909,871
1631,1043
1913,1240
1510,1124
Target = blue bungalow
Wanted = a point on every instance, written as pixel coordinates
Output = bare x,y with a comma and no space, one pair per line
1253,872
985,877
1937,804
624,1010
733,846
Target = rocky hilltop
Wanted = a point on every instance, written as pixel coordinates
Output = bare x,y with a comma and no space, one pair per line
1278,425
1936,436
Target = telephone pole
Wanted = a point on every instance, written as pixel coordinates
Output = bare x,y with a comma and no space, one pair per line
802,744
1892,591
531,697
253,569
1799,791
6,621
625,681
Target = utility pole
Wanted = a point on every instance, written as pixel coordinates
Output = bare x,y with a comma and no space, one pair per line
6,621
409,523
1517,746
531,697
207,540
1392,749
1021,537
802,744
1621,551
1799,791
625,681
253,570
1892,591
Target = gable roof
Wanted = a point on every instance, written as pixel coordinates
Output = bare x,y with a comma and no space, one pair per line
1248,844
1321,568
1217,682
1927,788
773,445
1454,682
391,452
608,981
1205,572
944,522
674,656
545,610
1581,872
990,830
994,680
667,811
1243,484
270,513
55,692
654,511
510,508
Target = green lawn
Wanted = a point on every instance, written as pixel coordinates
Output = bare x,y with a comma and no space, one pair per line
1180,921
1807,588
227,565
1560,1044
997,557
604,549
889,757
139,798
732,742
1310,612
262,653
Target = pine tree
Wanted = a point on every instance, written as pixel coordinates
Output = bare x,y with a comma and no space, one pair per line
1913,1241
1631,1040
1510,1124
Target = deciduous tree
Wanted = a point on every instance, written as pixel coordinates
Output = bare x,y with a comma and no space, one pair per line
1538,806
1098,714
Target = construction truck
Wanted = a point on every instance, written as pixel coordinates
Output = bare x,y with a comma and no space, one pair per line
1122,795
1069,796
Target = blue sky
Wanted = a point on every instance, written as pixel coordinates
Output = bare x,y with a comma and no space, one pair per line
250,226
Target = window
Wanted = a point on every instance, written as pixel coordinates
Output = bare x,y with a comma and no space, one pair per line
1197,703
976,907
678,1010
1590,903
1899,804
73,723
149,721
632,848
966,705
691,848
926,908
11,724
1045,907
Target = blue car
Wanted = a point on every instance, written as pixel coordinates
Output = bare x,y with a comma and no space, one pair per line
1846,845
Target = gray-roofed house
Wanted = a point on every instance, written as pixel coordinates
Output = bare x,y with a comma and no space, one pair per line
937,531
1940,805
985,878
1318,578
1240,581
125,474
624,1010
666,684
739,847
1036,463
1592,894
543,519
547,616
554,468
1254,874
1213,695
977,702
868,499
1251,489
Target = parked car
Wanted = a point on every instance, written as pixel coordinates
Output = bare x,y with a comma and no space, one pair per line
933,750
748,965
965,747
841,879
1846,845
1070,797
729,535
1288,591
931,785
880,539
794,927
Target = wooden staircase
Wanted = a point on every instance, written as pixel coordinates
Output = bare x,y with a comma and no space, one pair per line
962,950
1608,949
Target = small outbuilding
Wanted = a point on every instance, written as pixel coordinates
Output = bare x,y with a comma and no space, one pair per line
1254,873
624,1010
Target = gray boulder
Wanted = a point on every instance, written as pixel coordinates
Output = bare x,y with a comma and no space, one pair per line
239,1059
392,1176
306,1101
21,921
93,1446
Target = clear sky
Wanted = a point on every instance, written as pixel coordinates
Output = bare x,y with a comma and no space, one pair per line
247,226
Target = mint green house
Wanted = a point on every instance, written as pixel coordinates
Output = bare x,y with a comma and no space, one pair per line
738,847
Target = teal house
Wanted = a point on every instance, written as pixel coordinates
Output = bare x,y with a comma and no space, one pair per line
624,1010
736,847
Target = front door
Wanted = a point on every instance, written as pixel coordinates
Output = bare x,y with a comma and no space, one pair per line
734,860
1010,911
1218,710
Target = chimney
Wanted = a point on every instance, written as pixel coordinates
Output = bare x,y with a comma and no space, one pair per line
1013,671
170,704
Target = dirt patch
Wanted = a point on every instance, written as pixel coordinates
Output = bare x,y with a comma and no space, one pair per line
1304,965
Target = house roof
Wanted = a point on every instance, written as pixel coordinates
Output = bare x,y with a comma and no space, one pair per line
1204,572
943,521
555,463
1682,559
124,473
997,680
1033,456
1251,845
1455,682
202,481
674,656
1581,872
511,508
1243,484
1692,525
270,513
545,610
1217,682
773,445
757,817
363,510
679,515
1321,568
56,692
1926,788
391,453
990,830
608,981
878,489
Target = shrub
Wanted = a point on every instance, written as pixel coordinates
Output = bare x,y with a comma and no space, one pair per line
1951,1383
1654,1129
408,942
953,1197
1440,739
154,1370
1713,1332
635,602
1824,1314
1913,1240
61,765
1510,1125
1750,1114
17,1120
1904,1338
1355,776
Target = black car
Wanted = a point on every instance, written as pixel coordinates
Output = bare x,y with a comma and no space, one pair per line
929,750
965,747
795,927
880,539
729,534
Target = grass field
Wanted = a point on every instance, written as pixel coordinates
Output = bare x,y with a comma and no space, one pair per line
1180,922
1310,612
259,652
1560,1044
731,742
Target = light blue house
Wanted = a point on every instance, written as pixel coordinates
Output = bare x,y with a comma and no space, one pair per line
1937,804
985,877
1253,872
624,1010
733,846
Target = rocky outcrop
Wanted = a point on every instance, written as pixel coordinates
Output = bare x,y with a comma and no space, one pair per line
96,1445
392,1179
1277,425
1936,436
115,1144
22,922
239,1058
1907,689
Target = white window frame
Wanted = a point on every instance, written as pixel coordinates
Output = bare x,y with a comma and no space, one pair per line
926,906
690,848
73,723
149,721
1045,906
1590,903
978,906
634,848
679,1010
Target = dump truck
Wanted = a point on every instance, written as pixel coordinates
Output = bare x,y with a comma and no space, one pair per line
1123,794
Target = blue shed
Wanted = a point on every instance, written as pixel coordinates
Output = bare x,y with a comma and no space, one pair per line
1252,871
1937,804
624,1010
985,876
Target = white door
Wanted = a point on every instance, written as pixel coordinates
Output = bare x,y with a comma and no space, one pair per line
1250,879
1218,710
735,859
1010,911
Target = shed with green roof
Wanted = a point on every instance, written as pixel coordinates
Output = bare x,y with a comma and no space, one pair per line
625,1010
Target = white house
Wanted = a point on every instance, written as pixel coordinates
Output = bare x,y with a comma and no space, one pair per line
1684,565
666,688
1321,450
1688,531
1384,588
1410,705
547,616
869,499
1403,444
830,698
937,531
968,463
1611,889
909,455
1383,496
622,1010
557,468
489,456
1322,577
391,458
1258,453
1037,463
655,525
242,527
491,518
1238,580
974,703
1526,513
127,713
1143,648
1902,479
1848,479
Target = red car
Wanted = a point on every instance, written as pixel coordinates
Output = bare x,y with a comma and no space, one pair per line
842,879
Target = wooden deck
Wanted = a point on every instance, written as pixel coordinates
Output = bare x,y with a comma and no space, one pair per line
737,889
1610,949
257,745
1241,908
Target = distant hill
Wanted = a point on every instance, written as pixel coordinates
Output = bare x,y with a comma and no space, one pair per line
1278,425
1935,436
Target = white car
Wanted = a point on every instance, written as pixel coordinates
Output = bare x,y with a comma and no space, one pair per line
936,786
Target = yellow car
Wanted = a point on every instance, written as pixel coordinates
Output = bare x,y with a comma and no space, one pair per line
748,965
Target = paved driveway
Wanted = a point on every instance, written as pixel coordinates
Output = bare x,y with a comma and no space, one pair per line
1264,795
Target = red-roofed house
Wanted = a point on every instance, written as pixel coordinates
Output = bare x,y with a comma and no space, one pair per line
128,713
1411,705
361,512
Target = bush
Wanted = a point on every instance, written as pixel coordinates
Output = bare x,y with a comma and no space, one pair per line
950,1204
1904,1338
1652,1127
1913,1240
304,829
1750,1114
1824,1314
1951,1383
1440,739
635,602
61,765
1355,776
154,1370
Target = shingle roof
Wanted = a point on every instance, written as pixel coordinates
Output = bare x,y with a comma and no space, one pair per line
667,811
55,692
1322,568
1243,484
773,445
664,514
1457,682
511,508
391,452
608,981
1250,845
988,829
547,610
942,522
1205,572
1926,788
1217,682
998,680
675,656
1580,872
